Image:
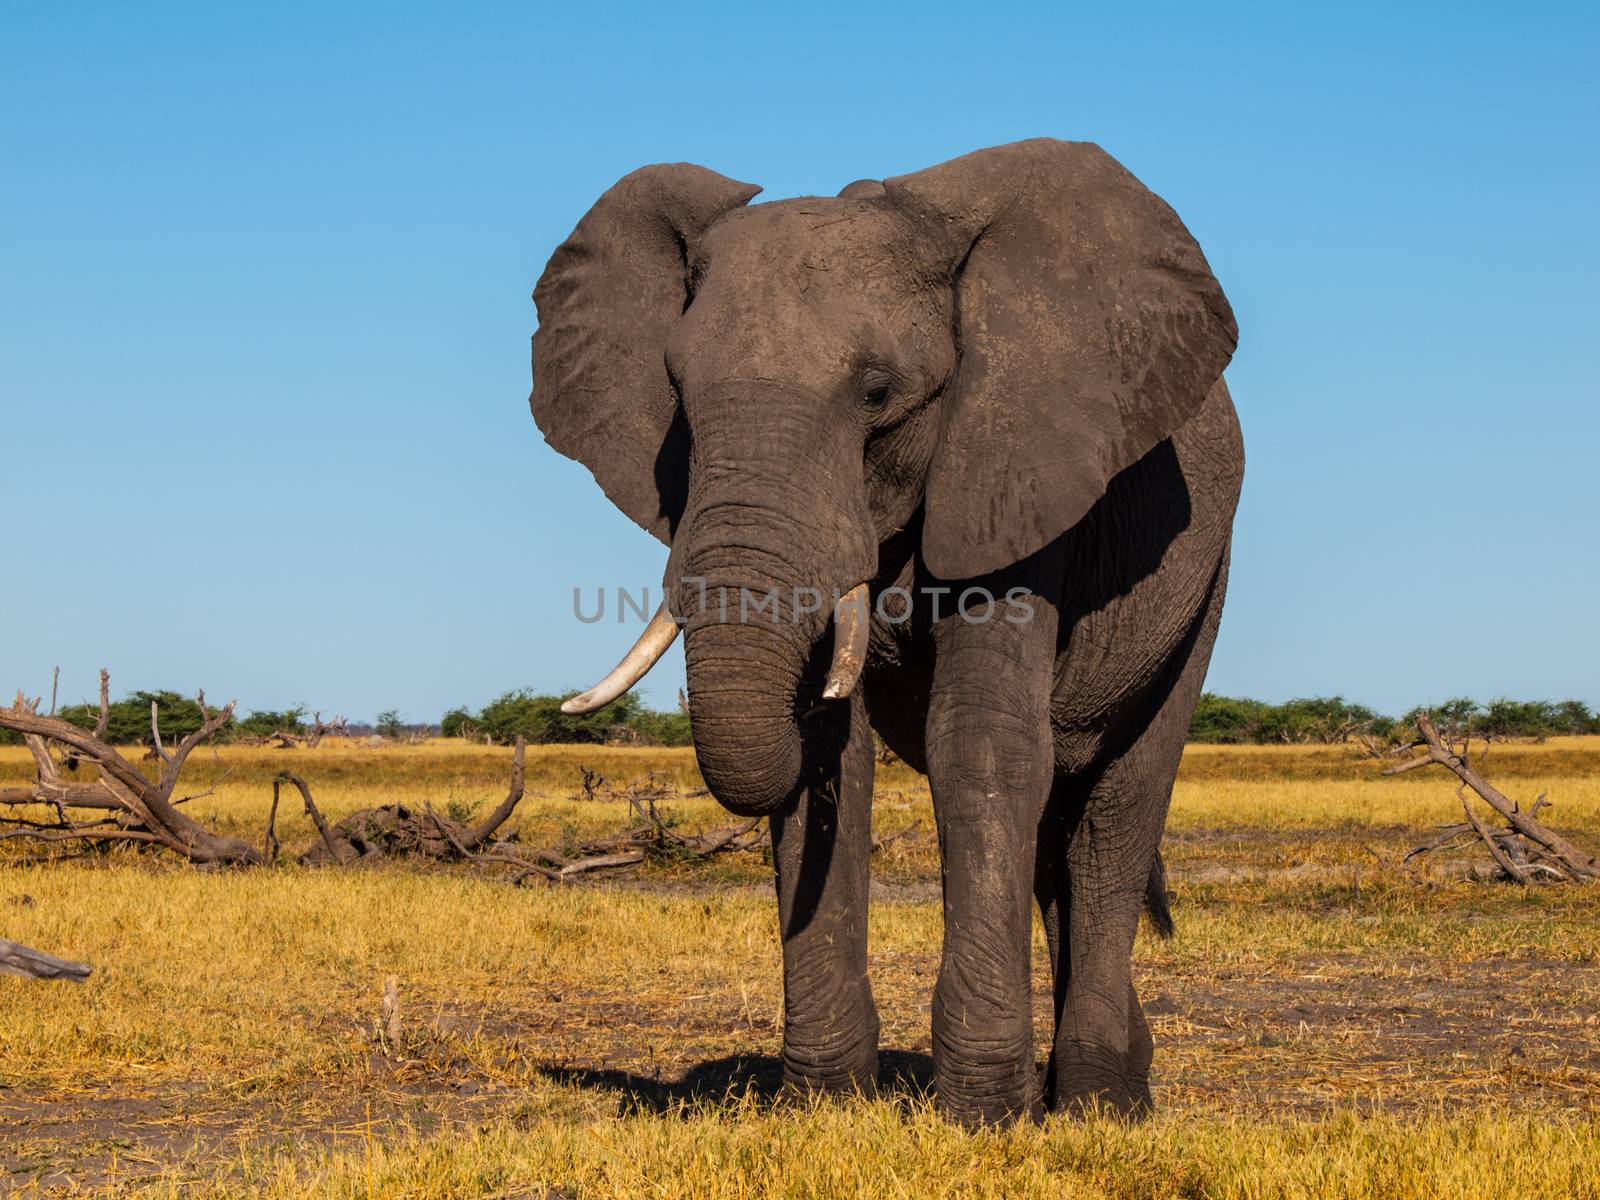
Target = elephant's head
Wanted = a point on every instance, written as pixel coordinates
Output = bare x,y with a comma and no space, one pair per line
774,390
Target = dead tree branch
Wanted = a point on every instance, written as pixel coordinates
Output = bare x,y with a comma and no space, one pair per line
17,959
1526,848
142,809
338,727
121,804
314,813
487,827
398,830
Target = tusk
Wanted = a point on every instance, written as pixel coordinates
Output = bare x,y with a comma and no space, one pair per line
646,652
850,629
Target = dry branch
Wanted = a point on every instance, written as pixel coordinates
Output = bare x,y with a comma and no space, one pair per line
17,959
486,829
141,809
122,805
390,1022
338,727
1526,848
398,830
879,844
313,812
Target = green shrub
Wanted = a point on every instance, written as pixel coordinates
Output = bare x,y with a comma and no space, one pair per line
1574,716
1228,720
1237,720
1511,718
458,722
1320,719
525,713
538,717
664,728
266,722
128,719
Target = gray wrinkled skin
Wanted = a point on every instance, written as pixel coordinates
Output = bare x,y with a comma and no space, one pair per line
1006,371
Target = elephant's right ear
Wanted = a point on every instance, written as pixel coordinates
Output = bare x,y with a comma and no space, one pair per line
607,301
1090,329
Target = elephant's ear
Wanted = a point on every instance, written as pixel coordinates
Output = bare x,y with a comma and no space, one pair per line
1089,329
607,301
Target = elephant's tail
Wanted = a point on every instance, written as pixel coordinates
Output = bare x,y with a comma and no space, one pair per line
1156,906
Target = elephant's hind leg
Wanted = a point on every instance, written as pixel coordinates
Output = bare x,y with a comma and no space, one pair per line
820,850
1051,892
1102,1051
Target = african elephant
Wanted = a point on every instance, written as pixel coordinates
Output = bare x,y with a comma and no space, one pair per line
982,406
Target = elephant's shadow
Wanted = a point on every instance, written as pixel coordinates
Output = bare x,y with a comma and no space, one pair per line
903,1075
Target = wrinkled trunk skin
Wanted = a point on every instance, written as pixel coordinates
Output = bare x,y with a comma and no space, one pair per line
742,685
752,671
770,510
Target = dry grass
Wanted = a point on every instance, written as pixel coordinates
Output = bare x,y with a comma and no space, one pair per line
1326,1024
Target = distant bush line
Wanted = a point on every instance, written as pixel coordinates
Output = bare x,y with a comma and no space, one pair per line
1232,720
128,720
521,713
537,717
1225,720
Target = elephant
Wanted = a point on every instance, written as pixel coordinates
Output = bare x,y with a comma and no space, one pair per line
979,407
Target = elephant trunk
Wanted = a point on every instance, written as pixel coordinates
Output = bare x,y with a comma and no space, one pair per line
750,684
775,528
743,681
749,637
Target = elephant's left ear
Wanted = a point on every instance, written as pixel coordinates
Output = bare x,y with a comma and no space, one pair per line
1090,329
607,303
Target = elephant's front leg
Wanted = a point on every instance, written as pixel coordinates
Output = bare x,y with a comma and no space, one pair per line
821,849
989,764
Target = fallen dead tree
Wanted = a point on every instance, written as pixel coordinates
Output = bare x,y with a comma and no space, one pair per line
649,836
92,794
319,729
1524,849
395,830
402,831
279,739
85,791
310,736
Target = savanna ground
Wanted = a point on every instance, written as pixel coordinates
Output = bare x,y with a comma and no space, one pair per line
1326,1023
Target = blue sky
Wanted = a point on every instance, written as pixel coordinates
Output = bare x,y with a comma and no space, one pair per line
264,316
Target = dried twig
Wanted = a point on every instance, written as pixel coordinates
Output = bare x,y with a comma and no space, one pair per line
391,1011
889,839
269,842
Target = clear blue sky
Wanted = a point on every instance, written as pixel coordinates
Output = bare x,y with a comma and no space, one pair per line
264,316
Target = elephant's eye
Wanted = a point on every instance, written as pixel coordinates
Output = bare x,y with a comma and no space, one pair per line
877,396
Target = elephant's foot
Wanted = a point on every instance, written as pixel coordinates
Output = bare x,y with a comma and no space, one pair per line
980,1100
835,1052
1085,1079
985,1079
990,1110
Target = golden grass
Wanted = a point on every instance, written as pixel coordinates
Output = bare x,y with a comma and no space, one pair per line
1326,1024
865,1151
